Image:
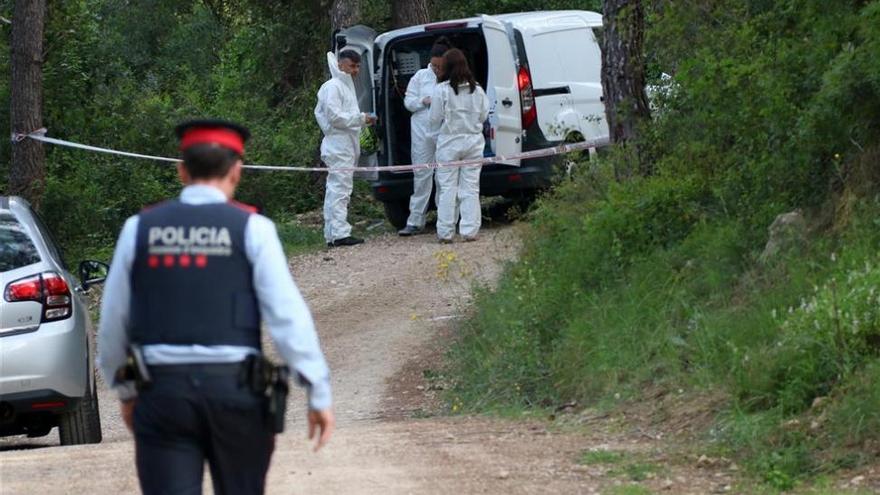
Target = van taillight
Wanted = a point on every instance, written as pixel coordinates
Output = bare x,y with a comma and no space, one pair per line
49,288
526,98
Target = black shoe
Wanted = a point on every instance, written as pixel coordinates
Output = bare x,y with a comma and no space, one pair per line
346,241
409,230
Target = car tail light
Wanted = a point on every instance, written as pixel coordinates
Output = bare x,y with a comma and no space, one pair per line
49,288
57,304
26,289
526,98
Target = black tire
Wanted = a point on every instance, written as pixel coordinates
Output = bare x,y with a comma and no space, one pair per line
39,431
397,211
83,424
517,203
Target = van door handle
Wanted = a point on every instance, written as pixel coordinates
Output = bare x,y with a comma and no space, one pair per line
507,103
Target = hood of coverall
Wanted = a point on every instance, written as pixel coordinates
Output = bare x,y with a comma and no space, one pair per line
336,73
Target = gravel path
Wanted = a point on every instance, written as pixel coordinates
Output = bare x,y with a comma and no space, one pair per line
377,306
385,311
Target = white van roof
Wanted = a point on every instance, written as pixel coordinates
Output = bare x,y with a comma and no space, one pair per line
524,21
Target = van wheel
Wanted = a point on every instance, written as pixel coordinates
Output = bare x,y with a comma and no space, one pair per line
397,211
39,430
83,424
514,206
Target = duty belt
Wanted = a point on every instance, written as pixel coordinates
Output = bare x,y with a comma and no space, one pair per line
259,374
218,369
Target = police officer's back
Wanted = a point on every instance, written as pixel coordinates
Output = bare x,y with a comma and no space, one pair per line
191,282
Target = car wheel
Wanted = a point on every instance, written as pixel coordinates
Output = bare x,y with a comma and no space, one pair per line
82,424
397,211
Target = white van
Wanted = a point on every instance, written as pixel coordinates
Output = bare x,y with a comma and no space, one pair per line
541,70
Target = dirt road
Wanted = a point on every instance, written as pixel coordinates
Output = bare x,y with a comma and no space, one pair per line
384,311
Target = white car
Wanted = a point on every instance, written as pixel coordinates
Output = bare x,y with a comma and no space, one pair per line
541,70
47,374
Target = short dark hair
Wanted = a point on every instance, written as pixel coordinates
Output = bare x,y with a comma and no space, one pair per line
352,55
441,46
208,161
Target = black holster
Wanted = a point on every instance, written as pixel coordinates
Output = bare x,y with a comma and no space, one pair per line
135,368
268,380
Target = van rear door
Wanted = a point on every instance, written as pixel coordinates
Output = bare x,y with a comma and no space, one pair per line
505,109
360,38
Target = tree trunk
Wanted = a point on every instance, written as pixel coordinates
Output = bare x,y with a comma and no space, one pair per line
27,174
623,74
409,13
344,13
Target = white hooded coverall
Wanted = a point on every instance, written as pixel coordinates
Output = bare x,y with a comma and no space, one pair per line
460,138
423,142
340,119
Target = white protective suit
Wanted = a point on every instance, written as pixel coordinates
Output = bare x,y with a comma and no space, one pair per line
340,119
460,138
424,142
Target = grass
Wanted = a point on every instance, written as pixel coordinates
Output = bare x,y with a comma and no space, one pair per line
298,239
623,288
627,490
623,464
591,457
637,471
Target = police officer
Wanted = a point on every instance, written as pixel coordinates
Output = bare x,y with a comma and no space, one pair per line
192,280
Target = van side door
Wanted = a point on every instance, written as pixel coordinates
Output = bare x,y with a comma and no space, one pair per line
361,39
505,109
566,64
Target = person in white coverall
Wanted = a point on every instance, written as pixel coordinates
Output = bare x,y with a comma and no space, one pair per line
423,137
341,120
460,107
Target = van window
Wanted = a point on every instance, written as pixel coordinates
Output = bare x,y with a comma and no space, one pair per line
363,84
560,56
16,248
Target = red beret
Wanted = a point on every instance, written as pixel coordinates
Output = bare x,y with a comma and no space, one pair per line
217,132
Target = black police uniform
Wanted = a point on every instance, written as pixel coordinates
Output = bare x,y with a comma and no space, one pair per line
192,285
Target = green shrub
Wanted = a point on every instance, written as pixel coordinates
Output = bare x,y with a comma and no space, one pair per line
823,341
588,308
127,72
853,416
655,281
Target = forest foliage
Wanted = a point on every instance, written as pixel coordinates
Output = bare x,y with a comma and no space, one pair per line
772,106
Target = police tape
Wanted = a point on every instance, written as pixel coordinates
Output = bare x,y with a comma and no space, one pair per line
561,149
